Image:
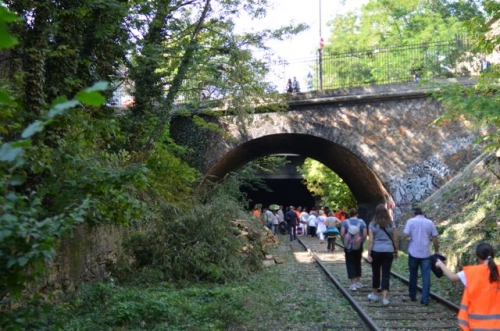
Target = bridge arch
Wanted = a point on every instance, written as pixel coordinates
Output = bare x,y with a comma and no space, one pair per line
363,181
380,140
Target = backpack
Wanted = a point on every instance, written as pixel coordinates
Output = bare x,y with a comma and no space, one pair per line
352,238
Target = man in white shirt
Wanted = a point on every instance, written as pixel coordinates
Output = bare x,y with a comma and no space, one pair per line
420,230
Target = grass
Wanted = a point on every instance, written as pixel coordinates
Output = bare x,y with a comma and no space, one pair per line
282,297
440,286
268,300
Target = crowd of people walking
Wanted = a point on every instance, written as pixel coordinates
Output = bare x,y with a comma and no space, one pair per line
480,306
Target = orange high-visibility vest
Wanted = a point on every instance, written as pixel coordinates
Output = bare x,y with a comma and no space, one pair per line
480,307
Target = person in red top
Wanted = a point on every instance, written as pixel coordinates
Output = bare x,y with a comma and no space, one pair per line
480,306
342,215
256,212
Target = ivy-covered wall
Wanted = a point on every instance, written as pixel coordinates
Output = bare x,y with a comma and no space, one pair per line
191,133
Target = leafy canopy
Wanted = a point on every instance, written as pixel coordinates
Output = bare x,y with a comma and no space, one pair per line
479,102
399,22
325,184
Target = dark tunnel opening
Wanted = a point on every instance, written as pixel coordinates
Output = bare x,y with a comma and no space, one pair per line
285,192
363,181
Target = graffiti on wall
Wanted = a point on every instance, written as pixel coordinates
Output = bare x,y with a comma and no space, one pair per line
429,166
423,178
421,181
457,145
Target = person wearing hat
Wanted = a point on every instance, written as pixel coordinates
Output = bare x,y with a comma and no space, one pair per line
480,306
267,217
420,231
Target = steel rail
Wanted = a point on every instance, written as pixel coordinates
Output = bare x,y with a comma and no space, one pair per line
370,323
362,312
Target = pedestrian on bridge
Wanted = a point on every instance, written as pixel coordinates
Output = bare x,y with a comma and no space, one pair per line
480,306
295,85
289,86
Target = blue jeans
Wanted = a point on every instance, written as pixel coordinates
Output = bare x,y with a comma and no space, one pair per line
425,269
292,230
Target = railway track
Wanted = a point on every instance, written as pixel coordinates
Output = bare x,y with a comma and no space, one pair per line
401,314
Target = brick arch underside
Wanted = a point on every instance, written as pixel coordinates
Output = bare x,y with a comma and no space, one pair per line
361,180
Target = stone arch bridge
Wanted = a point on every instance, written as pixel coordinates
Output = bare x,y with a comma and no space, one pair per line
381,140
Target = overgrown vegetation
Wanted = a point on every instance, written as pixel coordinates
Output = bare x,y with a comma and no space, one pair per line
214,241
327,186
62,167
97,166
467,207
466,210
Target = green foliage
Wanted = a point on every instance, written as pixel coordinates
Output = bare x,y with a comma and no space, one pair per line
382,23
478,103
185,54
35,316
170,177
91,165
6,39
28,232
105,306
201,244
390,41
326,185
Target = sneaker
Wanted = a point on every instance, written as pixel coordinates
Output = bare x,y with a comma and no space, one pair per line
358,285
353,287
373,297
385,302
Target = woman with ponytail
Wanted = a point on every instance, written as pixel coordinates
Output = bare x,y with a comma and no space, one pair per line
480,306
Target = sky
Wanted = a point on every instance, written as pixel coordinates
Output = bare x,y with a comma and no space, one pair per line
304,45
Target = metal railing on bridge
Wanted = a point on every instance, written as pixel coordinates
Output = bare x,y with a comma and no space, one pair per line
385,65
363,67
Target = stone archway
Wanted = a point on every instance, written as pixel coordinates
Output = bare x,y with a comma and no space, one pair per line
383,141
363,182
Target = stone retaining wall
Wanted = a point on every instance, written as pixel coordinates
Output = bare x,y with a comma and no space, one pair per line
83,257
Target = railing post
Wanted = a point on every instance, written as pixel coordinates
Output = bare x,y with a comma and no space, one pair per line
320,68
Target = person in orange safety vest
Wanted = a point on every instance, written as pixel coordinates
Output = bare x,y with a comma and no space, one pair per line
480,306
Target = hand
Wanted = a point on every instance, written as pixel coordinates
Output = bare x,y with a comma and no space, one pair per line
369,258
439,263
395,255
